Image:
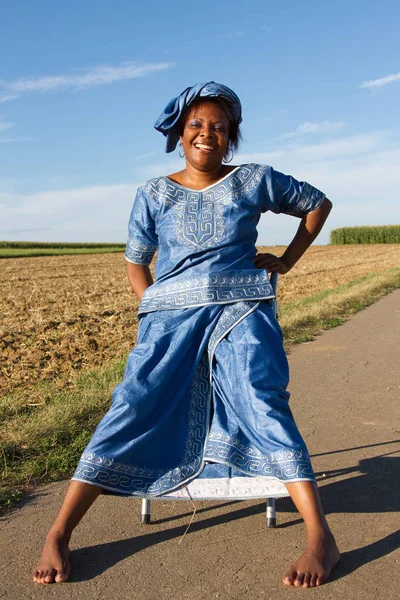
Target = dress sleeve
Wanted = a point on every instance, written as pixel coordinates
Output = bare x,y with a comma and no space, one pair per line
284,194
142,238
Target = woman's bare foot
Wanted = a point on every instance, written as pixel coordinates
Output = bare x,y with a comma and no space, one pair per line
316,563
54,564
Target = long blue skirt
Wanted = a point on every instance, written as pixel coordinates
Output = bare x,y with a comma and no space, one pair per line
202,410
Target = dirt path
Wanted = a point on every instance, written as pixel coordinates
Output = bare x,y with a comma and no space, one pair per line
345,396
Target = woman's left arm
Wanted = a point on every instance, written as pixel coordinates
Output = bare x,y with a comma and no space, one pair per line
308,230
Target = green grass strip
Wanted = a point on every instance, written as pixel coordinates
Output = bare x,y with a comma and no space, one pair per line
303,319
25,244
46,430
26,252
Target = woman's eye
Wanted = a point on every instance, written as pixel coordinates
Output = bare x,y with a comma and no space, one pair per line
194,124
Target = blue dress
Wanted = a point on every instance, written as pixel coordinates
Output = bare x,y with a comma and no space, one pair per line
203,409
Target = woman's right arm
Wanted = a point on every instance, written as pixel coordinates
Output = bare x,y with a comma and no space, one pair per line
139,277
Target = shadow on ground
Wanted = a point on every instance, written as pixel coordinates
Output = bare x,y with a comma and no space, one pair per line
367,488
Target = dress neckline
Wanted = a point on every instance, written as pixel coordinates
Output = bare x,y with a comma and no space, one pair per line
202,189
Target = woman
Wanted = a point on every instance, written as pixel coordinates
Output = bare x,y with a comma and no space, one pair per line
203,408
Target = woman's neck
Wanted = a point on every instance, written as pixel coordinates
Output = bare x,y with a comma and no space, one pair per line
192,178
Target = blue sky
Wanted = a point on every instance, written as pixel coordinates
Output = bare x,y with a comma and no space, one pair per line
82,83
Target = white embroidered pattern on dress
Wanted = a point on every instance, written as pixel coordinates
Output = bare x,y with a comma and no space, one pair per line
199,219
212,288
285,464
310,199
138,252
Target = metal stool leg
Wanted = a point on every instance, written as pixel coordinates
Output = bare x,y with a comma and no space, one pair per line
271,512
145,516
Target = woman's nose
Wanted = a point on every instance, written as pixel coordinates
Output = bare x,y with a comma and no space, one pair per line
205,131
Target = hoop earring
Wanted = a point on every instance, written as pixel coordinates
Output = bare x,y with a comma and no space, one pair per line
228,160
179,151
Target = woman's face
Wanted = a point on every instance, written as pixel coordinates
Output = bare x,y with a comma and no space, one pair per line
205,136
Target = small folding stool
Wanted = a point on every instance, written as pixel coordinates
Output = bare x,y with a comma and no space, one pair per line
270,508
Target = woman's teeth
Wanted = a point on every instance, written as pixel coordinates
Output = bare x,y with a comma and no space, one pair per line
204,147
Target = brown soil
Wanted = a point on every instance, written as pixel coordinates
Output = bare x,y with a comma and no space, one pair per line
59,314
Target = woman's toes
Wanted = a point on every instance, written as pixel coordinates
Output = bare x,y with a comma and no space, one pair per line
299,580
289,577
40,576
61,576
321,579
307,579
313,581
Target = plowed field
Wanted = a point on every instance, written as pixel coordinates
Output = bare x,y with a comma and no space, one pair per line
59,314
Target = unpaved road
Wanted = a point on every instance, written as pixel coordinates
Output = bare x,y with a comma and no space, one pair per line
345,396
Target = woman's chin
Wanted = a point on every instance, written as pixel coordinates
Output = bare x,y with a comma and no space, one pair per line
205,161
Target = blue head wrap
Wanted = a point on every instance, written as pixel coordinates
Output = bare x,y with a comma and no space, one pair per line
168,120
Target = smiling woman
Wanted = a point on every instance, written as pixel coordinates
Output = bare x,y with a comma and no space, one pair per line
207,134
225,122
203,409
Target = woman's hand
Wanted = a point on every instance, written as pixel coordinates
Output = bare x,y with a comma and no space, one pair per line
309,228
271,263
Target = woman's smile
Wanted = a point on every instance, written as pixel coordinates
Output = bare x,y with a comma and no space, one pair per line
204,147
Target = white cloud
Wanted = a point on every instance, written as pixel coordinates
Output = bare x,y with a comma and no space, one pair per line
97,76
4,125
364,166
12,140
146,155
309,127
93,213
309,153
359,174
345,146
7,97
382,81
171,165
